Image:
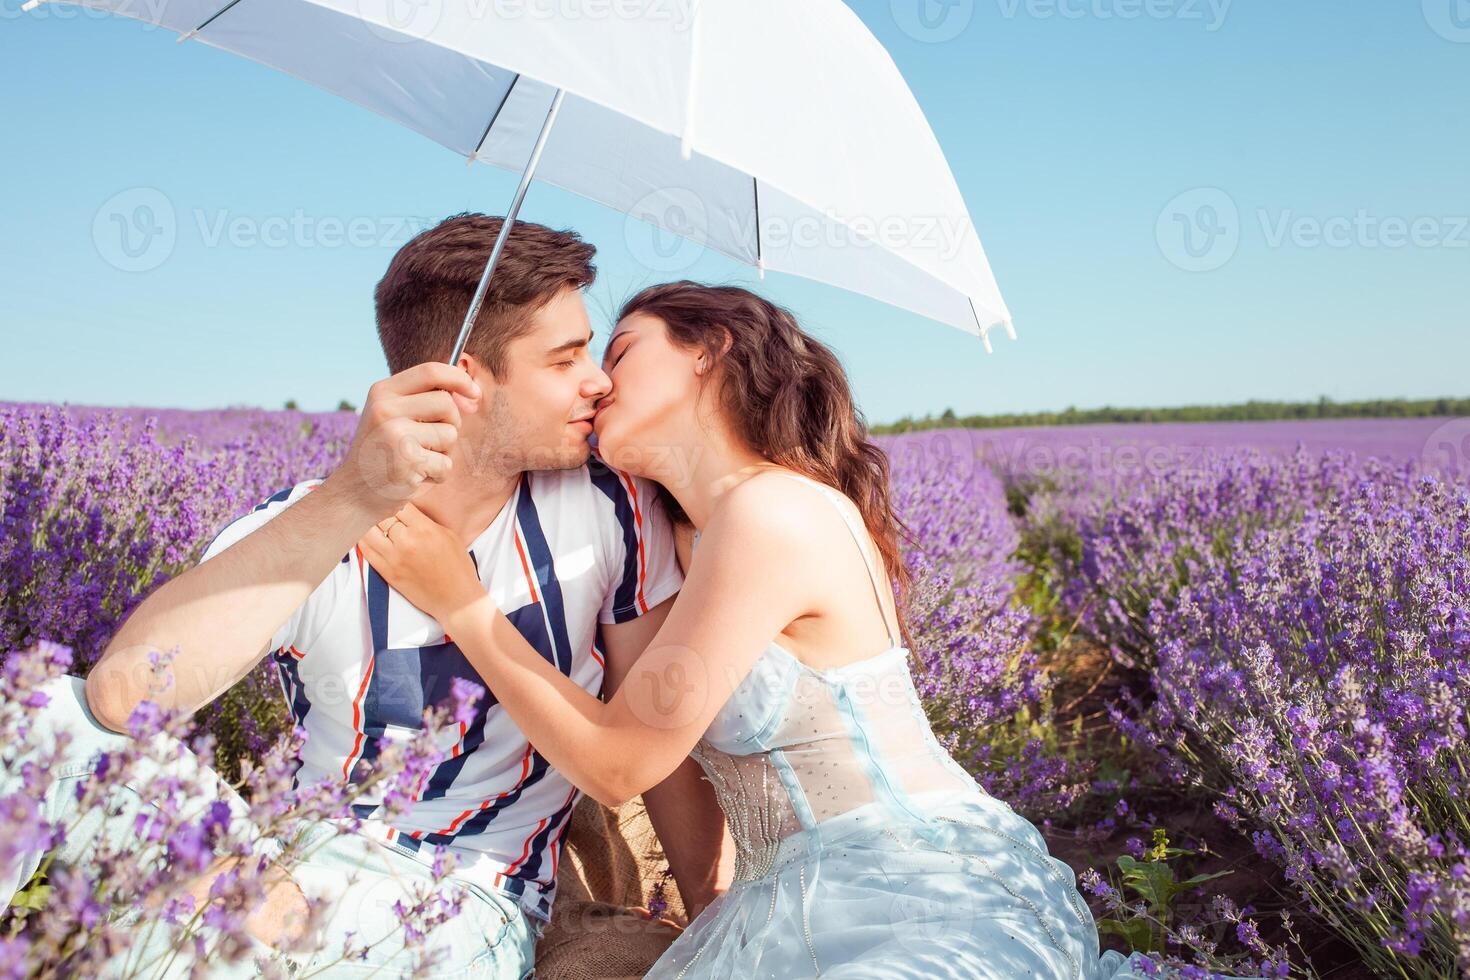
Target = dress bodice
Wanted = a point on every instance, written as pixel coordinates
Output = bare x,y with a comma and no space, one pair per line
798,748
863,848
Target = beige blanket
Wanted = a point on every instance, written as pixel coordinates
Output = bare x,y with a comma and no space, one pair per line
612,864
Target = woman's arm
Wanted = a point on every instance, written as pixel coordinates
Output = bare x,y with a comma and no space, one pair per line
683,809
727,612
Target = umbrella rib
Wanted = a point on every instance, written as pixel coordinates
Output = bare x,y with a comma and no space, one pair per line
686,136
981,326
184,37
505,225
494,116
760,259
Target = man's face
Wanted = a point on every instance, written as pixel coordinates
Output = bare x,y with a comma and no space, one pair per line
538,416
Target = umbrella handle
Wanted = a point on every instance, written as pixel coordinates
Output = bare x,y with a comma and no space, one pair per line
510,218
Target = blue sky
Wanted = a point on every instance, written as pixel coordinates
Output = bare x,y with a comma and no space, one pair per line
1184,201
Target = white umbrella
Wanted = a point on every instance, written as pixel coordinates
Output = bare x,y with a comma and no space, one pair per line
777,132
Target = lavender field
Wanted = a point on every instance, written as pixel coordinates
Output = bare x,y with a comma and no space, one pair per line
1225,667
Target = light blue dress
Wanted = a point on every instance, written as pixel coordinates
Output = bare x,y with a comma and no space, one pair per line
863,849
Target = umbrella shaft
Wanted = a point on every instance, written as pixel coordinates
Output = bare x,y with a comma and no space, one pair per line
510,217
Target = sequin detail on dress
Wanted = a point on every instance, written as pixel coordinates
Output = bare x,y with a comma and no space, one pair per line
755,806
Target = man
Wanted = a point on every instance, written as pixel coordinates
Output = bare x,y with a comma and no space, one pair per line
579,556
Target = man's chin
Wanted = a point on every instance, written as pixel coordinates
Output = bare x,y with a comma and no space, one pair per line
568,456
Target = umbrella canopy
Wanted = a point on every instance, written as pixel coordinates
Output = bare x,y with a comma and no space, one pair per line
778,133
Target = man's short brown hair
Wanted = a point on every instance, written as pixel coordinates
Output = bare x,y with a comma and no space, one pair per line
423,297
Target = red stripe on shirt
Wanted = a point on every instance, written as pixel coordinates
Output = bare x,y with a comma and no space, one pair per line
525,771
367,676
352,756
526,848
526,567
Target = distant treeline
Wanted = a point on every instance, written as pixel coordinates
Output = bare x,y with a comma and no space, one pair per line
1252,411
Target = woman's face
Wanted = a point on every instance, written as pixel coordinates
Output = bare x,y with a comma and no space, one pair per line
653,389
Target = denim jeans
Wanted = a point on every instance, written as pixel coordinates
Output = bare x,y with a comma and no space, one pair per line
358,878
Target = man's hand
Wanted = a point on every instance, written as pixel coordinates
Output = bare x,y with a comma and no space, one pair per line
402,442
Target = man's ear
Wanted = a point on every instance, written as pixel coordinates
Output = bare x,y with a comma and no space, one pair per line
472,366
479,373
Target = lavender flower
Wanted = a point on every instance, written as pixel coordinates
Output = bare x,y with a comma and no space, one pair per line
1302,627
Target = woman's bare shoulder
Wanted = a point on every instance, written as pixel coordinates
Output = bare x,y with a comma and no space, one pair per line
774,503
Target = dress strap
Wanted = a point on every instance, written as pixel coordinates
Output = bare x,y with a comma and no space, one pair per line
858,534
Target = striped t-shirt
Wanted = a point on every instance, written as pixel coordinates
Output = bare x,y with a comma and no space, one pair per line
571,549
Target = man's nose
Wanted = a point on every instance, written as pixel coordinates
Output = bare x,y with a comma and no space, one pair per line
598,383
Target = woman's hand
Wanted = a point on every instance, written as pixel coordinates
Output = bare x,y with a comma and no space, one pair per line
424,561
643,912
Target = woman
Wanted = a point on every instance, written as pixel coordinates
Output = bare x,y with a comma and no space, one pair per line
863,849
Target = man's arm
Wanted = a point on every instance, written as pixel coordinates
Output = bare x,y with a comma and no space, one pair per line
683,808
219,616
221,613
